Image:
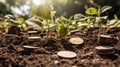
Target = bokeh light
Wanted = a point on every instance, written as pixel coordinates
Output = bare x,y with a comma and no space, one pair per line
39,2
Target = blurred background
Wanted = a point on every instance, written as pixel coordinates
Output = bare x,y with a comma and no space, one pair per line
67,8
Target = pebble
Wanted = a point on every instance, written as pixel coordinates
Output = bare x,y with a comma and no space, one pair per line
54,57
95,60
56,62
74,66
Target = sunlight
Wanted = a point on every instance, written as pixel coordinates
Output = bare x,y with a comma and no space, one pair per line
39,2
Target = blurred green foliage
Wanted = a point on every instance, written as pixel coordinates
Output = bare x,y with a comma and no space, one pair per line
4,10
65,8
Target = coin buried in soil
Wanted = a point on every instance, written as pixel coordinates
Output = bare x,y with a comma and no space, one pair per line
67,54
106,36
30,47
104,49
105,39
76,40
34,37
32,32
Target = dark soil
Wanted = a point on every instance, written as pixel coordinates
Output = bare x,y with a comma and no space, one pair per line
12,53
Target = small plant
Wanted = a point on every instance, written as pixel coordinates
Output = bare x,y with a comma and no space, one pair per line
35,22
80,21
93,18
44,24
62,27
14,23
101,20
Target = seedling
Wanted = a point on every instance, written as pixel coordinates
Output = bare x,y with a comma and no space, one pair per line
52,14
15,21
34,21
99,20
15,24
67,54
51,24
80,21
44,24
94,18
62,27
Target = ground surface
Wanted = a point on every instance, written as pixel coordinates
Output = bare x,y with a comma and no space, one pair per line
12,53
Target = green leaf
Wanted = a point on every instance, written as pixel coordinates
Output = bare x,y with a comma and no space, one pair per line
71,17
62,30
20,20
61,20
115,16
91,11
1,25
62,26
23,25
50,26
101,20
79,16
9,16
34,22
52,14
105,8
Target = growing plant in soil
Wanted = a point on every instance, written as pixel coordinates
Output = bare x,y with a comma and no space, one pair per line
62,27
99,20
93,18
45,25
15,24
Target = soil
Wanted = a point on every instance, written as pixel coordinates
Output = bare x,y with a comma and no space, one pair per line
12,53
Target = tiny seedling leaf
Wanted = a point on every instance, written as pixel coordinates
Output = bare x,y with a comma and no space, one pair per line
62,30
91,11
101,20
34,22
53,13
79,16
105,8
1,25
9,16
115,16
20,20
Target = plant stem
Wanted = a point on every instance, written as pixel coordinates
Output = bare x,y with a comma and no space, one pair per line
99,32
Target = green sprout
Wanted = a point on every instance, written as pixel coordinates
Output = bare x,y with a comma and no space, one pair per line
62,27
93,18
15,21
